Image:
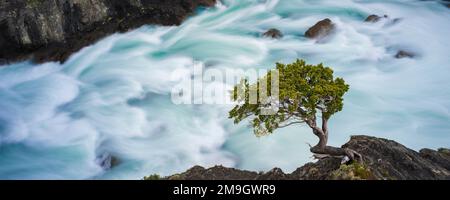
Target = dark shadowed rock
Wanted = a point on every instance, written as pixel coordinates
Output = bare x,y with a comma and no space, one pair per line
273,33
320,170
274,174
207,3
404,54
321,29
214,173
374,18
396,20
108,161
382,160
387,159
52,30
441,157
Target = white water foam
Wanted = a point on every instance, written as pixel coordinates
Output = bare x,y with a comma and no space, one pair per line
113,97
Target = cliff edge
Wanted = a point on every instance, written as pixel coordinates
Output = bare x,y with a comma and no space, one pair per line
383,160
51,30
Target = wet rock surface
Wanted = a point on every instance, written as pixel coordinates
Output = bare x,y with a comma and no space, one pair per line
321,29
52,30
404,54
108,161
273,33
374,18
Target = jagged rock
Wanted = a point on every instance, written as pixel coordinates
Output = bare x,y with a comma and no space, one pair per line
404,54
382,160
374,18
52,30
274,174
108,161
320,170
321,29
273,33
207,3
214,173
387,159
441,157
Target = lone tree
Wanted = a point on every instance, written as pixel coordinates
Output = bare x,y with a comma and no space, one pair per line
306,93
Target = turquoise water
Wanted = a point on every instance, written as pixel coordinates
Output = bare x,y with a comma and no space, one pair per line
113,97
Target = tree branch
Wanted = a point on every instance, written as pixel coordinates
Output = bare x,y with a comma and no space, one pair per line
286,125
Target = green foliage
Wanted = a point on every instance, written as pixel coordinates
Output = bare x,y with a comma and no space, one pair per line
444,151
304,90
152,177
34,3
353,171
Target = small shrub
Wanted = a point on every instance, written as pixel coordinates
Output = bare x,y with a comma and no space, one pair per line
353,171
152,177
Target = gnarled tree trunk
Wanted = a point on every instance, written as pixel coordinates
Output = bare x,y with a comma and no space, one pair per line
322,148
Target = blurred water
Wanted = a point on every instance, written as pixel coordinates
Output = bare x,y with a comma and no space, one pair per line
113,98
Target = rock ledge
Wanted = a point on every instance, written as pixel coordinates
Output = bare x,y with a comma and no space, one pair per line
383,160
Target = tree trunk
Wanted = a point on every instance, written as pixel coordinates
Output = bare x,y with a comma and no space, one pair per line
322,148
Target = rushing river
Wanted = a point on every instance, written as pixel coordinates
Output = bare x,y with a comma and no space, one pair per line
59,121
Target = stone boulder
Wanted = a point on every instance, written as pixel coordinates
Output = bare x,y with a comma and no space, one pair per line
108,161
321,29
374,18
273,33
214,173
404,54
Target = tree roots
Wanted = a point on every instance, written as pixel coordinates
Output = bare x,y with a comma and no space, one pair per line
346,154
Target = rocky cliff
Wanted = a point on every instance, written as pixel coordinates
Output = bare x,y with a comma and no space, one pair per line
383,160
53,29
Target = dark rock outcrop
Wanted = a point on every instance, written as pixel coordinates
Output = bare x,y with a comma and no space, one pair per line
387,159
274,174
214,173
383,160
404,54
108,161
374,18
319,170
273,33
53,29
441,156
321,29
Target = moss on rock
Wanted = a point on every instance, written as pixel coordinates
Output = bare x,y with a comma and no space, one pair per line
353,171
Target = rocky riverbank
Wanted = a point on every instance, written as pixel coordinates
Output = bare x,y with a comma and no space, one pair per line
383,160
51,30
